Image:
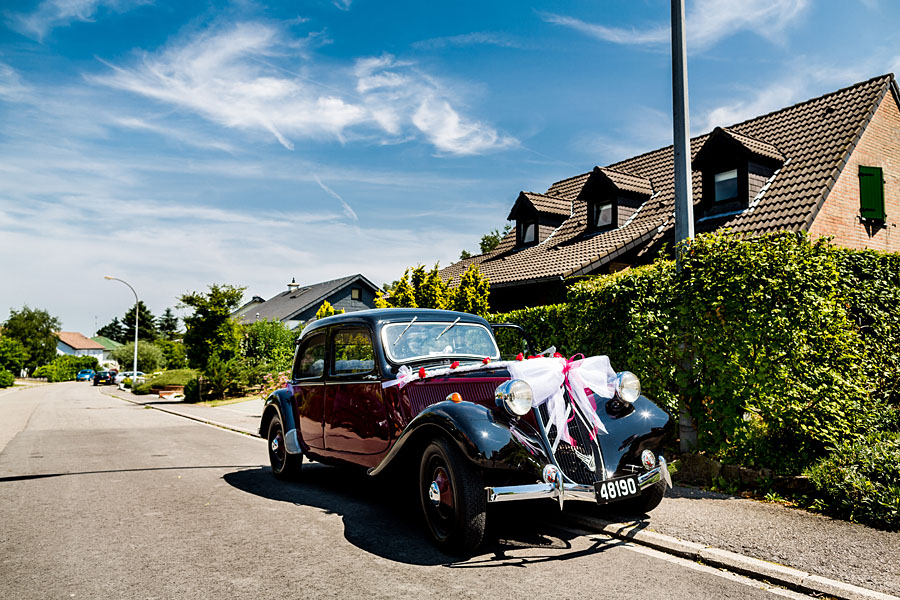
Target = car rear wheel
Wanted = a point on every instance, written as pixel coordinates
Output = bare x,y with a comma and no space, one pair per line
453,498
284,465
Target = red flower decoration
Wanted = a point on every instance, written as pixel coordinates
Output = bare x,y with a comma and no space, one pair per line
520,356
421,372
485,360
558,355
454,364
530,357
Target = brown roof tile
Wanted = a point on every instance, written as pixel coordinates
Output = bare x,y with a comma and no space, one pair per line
76,341
811,138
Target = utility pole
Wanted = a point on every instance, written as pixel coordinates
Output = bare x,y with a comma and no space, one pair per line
684,200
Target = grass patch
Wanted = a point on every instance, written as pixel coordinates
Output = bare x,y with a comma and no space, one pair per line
174,377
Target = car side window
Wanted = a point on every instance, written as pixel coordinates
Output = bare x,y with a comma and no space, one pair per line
311,358
353,352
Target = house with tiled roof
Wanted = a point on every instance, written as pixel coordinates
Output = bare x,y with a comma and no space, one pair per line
299,303
829,166
109,346
75,344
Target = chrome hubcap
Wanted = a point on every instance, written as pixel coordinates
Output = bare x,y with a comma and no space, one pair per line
434,493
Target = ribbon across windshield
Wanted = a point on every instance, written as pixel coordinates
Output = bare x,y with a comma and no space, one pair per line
407,341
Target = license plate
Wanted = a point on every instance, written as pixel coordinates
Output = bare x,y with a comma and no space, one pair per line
619,488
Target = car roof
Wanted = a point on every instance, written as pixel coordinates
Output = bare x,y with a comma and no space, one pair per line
380,316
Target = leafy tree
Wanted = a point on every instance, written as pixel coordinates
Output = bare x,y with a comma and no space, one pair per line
36,330
150,357
464,255
146,323
471,295
269,343
490,241
326,310
210,327
426,289
13,355
167,325
173,354
114,331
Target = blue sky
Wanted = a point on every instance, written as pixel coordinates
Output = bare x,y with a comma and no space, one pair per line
177,144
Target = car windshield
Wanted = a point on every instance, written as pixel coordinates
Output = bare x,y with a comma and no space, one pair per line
406,342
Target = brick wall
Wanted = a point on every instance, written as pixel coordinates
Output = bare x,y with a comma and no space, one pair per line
879,146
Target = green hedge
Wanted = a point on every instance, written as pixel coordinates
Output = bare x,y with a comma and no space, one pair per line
65,367
781,348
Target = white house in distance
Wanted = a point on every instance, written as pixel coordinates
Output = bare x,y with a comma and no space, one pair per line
75,344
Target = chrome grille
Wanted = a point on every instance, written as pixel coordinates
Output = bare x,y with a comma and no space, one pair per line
567,457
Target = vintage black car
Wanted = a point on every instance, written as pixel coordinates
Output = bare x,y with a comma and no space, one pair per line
427,391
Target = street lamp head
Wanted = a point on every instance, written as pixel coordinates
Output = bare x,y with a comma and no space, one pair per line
108,277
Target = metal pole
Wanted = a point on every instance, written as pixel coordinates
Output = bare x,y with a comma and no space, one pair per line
134,365
684,201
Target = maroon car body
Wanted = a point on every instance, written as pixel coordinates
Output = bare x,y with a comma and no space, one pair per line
346,403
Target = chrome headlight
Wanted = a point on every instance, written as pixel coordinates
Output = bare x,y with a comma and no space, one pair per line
628,386
515,396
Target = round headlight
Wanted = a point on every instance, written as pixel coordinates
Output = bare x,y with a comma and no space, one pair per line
628,386
515,396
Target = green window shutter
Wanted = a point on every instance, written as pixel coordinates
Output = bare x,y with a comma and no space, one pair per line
871,193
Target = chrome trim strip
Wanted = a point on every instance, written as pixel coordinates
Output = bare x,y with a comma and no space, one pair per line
569,491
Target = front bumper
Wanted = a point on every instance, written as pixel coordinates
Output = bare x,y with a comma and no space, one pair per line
563,491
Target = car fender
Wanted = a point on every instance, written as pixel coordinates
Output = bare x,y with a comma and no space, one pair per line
279,403
489,441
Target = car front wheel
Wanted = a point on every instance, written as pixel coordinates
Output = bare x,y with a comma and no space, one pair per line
453,498
284,465
643,504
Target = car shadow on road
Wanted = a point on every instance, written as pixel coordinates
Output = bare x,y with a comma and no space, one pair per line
382,516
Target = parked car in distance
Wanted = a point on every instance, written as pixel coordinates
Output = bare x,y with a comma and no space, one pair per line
127,375
105,377
424,393
85,375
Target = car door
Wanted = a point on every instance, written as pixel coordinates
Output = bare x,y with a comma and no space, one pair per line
307,382
356,419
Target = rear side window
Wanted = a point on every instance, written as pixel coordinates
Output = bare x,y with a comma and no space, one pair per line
311,358
353,352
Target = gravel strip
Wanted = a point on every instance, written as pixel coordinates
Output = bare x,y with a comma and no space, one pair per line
831,548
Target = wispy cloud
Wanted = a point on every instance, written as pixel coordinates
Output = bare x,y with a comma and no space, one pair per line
50,14
707,22
343,4
346,207
478,38
230,76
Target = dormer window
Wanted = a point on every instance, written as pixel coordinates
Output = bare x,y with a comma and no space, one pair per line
612,198
734,168
527,232
536,215
602,214
726,184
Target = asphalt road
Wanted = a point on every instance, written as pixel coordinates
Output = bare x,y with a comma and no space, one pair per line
100,498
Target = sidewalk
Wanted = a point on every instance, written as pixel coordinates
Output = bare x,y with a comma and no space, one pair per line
767,541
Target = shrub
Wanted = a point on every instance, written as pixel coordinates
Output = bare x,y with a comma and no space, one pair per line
6,379
157,382
860,480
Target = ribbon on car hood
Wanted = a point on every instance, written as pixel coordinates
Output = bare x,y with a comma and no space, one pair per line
551,377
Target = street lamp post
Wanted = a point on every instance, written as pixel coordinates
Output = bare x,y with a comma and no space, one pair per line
134,366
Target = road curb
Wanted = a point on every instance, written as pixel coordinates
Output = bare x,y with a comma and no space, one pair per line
170,411
752,567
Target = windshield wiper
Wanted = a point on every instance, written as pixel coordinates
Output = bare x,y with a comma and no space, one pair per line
404,330
447,328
